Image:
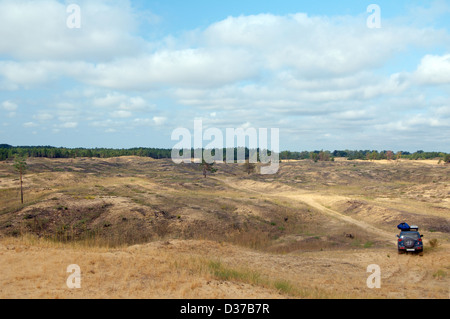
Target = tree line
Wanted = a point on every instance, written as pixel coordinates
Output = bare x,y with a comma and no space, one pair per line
363,155
10,152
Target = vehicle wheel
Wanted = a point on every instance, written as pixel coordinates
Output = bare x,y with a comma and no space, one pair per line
400,252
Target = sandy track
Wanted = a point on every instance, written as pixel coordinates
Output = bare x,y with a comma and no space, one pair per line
312,199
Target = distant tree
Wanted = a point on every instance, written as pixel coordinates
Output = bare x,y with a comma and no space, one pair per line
314,156
206,167
249,167
389,155
372,156
20,165
324,156
340,153
447,158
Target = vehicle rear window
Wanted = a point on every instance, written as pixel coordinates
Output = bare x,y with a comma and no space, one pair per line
410,234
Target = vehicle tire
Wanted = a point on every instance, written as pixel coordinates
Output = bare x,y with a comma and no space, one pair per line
400,252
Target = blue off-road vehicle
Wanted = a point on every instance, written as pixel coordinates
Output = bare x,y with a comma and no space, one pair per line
409,240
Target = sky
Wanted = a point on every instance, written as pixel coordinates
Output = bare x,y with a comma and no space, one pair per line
124,74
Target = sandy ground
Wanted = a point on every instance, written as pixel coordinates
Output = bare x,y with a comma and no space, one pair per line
154,271
179,270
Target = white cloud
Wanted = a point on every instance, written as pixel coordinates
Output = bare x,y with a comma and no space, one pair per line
434,69
43,116
123,102
159,120
65,106
443,111
316,47
190,67
68,115
28,74
156,120
9,106
69,125
307,51
38,30
121,114
239,49
29,124
354,115
106,123
111,100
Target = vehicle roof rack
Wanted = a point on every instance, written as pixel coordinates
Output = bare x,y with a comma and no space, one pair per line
414,227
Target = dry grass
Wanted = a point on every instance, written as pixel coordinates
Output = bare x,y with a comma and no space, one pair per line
36,268
151,271
141,228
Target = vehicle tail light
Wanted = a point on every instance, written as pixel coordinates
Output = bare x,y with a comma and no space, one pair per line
400,240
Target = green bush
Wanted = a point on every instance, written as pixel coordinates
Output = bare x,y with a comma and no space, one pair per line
447,158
